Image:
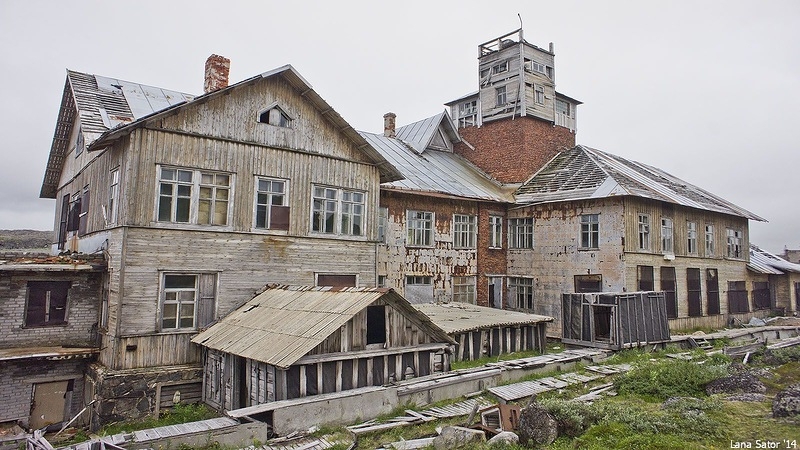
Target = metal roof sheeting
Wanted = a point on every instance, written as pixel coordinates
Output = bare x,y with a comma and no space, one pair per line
435,171
458,317
583,172
284,323
762,261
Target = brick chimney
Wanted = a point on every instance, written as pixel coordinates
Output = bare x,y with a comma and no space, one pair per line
388,124
217,70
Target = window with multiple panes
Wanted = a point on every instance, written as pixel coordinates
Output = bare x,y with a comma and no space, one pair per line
338,211
46,303
520,233
563,107
691,238
83,217
709,240
539,94
464,289
383,222
520,293
179,301
464,229
734,243
468,113
500,95
590,231
644,232
193,196
420,228
272,210
495,232
667,243
418,280
113,197
500,67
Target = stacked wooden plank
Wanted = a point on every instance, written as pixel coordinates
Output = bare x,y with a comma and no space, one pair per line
516,391
413,417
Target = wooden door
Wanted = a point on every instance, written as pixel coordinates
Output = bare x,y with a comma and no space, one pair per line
49,402
496,292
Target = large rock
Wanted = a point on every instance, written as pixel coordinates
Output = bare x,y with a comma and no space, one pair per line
787,402
737,383
504,439
455,437
536,426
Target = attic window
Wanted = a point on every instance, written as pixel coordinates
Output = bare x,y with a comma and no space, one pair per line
274,115
79,143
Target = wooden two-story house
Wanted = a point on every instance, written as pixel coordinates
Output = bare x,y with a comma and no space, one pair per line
197,202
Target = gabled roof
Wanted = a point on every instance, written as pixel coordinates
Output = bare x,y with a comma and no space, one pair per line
110,108
420,135
435,171
284,323
762,261
458,317
583,173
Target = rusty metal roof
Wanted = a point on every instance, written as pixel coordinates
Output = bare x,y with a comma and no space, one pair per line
284,323
583,173
458,317
426,170
762,261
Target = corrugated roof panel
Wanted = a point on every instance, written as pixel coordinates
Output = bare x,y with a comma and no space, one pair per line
458,317
765,262
284,323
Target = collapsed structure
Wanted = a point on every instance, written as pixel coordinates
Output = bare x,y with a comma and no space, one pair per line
197,202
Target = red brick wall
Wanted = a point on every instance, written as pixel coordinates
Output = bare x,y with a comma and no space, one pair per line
490,261
513,150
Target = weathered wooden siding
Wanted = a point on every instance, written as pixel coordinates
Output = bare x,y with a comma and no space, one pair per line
167,349
244,162
441,261
401,331
487,342
680,215
556,257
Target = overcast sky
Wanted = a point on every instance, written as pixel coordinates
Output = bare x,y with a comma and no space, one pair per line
706,90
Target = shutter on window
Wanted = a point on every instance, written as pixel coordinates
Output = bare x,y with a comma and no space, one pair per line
73,222
84,215
279,218
206,305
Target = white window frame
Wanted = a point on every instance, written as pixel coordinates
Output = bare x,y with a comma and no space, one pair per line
644,232
383,223
521,291
271,196
495,232
194,184
501,95
113,196
691,238
590,231
164,295
667,236
567,107
709,240
419,228
500,67
419,280
464,231
275,116
734,240
538,94
347,210
464,289
520,232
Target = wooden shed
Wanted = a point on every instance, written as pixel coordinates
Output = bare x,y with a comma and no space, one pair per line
481,331
614,320
293,341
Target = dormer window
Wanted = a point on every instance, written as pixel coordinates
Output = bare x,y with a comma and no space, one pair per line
276,116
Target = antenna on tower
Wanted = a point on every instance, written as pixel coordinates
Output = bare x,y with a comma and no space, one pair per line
520,27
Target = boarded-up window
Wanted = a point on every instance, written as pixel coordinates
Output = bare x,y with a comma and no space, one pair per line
670,287
761,295
47,303
376,324
644,278
336,280
63,223
712,290
74,219
83,217
694,290
737,297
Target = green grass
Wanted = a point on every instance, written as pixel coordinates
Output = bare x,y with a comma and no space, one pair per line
457,365
178,414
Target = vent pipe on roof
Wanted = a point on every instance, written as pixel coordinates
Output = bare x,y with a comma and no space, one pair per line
217,71
388,124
